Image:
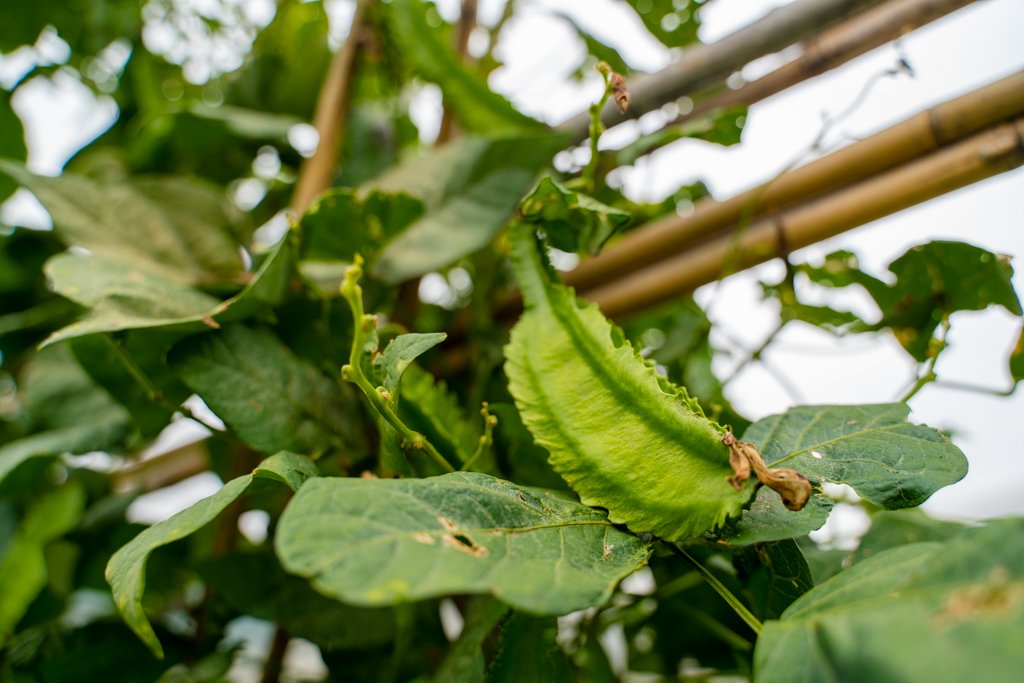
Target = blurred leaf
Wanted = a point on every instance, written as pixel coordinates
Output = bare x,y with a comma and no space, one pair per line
721,126
212,668
388,541
287,64
937,612
122,296
672,22
12,141
256,585
126,571
571,221
111,364
345,222
23,565
527,651
470,188
85,25
1017,359
429,53
266,395
180,240
887,460
894,528
524,461
600,51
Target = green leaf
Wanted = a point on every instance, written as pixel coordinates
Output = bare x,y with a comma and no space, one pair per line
527,651
672,22
935,612
428,51
893,528
469,188
722,127
572,222
778,575
873,448
1017,359
126,571
601,52
112,363
23,563
184,241
270,398
767,519
663,467
386,541
346,222
399,355
12,141
429,408
124,296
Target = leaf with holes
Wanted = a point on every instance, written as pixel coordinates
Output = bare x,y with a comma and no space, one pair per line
377,542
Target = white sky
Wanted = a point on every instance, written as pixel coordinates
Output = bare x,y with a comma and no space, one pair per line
957,54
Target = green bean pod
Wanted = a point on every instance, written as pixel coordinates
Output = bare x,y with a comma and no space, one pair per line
623,437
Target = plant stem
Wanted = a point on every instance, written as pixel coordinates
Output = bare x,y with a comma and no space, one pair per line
275,657
741,610
486,439
378,397
929,375
589,175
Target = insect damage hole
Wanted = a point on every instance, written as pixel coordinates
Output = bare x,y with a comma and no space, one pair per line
459,541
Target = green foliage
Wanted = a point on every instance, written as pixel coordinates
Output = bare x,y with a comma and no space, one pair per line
432,461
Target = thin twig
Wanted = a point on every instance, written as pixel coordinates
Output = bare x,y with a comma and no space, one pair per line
464,29
274,664
332,109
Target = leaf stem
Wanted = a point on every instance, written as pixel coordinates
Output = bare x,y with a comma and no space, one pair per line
589,175
486,439
929,376
741,610
378,397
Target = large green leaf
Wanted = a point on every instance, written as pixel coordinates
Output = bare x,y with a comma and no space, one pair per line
144,224
931,611
122,295
469,189
624,438
386,541
932,281
887,460
429,52
22,562
126,571
269,397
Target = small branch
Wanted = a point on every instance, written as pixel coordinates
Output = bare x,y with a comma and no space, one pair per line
929,375
741,610
330,118
464,29
274,665
486,439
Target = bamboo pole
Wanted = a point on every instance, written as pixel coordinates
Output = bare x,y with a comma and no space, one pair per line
920,134
330,118
993,151
705,65
832,48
